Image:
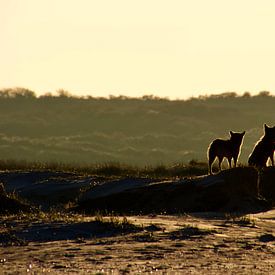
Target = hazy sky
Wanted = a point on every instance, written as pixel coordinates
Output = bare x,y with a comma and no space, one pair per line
174,48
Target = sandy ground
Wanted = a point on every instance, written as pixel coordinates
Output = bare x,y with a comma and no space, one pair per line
200,243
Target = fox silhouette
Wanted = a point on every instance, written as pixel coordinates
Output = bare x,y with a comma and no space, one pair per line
221,149
263,149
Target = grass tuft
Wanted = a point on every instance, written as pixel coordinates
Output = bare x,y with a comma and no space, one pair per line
245,220
116,222
189,231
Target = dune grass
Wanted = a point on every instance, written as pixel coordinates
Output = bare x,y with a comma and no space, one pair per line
193,168
116,222
241,220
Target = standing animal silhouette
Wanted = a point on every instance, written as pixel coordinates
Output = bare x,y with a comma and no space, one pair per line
225,149
263,149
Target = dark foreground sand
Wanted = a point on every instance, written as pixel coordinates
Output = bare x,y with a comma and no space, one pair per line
208,243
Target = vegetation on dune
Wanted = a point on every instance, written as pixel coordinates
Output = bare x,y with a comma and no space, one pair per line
11,203
193,168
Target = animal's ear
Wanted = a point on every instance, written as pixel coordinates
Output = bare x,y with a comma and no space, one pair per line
231,133
243,133
266,128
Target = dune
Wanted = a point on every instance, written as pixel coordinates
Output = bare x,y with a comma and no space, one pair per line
231,190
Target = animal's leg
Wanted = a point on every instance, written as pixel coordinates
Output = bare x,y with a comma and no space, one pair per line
272,158
229,162
210,162
220,162
235,161
211,158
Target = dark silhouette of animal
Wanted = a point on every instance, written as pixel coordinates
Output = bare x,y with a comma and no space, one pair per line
229,149
263,149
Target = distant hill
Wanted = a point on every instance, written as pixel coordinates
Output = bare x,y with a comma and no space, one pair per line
137,131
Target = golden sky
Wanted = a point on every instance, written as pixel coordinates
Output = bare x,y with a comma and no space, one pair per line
173,48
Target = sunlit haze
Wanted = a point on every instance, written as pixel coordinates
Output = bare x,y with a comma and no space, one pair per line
175,48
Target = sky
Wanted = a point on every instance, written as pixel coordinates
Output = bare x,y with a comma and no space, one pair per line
168,48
